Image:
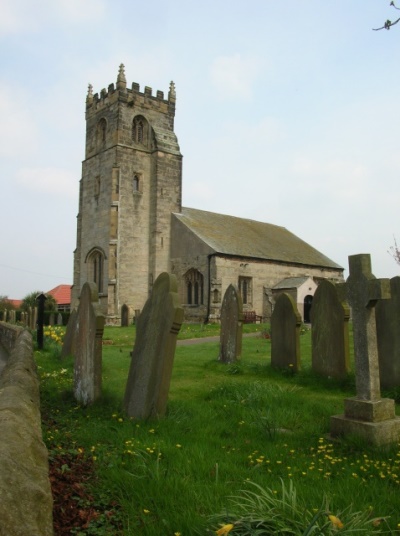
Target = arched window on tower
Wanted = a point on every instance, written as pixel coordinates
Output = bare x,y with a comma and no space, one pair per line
101,133
139,130
136,183
95,265
194,287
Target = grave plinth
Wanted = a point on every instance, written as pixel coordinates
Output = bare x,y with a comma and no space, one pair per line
367,415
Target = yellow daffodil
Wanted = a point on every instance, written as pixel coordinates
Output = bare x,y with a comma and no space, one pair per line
225,529
336,522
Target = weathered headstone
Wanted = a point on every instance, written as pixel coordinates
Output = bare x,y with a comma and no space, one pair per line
330,332
88,346
388,332
124,315
285,334
60,320
367,415
51,319
150,372
70,335
230,346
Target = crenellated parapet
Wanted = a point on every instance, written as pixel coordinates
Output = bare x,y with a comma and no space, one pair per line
132,96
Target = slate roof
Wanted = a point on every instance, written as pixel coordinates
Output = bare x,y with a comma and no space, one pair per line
241,237
290,282
62,294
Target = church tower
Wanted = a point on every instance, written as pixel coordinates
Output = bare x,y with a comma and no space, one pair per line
131,183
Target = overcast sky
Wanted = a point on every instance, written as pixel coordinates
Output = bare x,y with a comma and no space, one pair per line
287,112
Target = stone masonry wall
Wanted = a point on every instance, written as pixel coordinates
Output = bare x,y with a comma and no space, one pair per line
26,503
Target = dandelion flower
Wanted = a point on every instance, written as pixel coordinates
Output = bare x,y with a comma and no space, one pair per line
146,511
336,522
225,529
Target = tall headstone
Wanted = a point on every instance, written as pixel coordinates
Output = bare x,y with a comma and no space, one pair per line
41,299
230,346
60,320
367,415
330,332
388,332
285,334
88,346
153,354
69,343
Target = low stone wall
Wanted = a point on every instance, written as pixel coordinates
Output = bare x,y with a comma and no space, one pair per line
26,502
8,335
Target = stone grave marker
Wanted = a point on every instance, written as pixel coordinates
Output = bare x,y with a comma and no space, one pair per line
70,335
285,334
88,346
388,332
51,319
367,415
60,321
158,325
330,332
124,315
230,346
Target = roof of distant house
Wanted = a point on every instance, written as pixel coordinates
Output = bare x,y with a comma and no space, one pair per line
62,294
16,303
241,237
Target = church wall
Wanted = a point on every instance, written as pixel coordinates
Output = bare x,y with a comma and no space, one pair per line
264,275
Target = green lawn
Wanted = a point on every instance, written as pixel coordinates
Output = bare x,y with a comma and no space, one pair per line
228,429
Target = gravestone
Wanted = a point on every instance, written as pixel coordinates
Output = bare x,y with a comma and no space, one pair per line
367,416
230,346
88,346
285,334
69,344
60,320
124,315
41,299
388,332
51,319
330,332
158,325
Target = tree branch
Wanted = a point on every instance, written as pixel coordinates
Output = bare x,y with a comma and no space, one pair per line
388,24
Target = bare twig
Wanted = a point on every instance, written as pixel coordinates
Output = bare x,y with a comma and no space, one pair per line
388,24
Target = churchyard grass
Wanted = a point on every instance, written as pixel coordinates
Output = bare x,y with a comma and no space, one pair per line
241,430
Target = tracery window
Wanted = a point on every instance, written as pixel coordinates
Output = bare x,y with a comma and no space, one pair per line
101,132
139,130
194,287
96,269
246,290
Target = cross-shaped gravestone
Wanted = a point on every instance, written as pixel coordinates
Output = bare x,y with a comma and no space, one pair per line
367,416
363,291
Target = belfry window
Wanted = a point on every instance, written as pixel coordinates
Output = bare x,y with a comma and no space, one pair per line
101,132
194,287
139,130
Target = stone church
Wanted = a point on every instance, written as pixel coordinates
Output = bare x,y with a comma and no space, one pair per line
131,225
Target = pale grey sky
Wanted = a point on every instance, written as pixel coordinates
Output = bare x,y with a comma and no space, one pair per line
286,112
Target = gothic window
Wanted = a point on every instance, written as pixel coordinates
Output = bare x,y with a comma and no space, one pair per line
194,287
136,182
139,130
246,290
96,269
101,132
